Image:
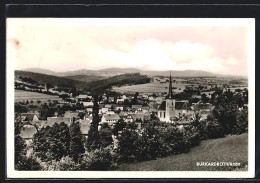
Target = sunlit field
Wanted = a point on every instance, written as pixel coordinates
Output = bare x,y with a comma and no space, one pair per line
154,87
21,95
229,149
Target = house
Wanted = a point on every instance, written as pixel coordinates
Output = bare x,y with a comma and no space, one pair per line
82,97
88,104
123,115
109,118
27,132
152,98
120,100
145,107
153,107
121,108
111,99
203,109
104,110
108,106
71,115
85,121
136,106
139,97
110,112
137,119
52,120
89,109
29,117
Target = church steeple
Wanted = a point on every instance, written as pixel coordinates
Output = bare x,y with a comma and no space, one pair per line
170,94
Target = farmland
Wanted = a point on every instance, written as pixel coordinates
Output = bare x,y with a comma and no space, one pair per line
214,150
21,95
154,87
179,84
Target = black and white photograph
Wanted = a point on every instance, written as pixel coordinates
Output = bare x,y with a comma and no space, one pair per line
140,98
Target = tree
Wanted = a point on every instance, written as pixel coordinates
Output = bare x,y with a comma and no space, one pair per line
105,136
46,111
119,126
20,146
18,108
76,142
226,115
52,143
48,86
99,159
29,163
204,98
64,164
93,136
242,122
127,144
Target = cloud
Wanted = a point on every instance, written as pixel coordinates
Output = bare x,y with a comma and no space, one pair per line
232,61
63,48
152,54
186,50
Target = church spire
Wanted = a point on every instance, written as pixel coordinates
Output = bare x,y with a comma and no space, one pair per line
170,94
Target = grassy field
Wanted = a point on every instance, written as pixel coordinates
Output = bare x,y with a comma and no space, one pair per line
21,95
229,149
153,87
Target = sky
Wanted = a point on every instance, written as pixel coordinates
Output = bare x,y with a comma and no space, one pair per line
166,44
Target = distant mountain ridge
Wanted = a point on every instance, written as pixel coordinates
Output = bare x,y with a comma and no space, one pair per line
118,71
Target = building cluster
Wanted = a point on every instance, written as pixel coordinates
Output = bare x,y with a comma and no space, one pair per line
113,109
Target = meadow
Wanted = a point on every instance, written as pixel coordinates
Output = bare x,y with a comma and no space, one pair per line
153,87
21,95
229,149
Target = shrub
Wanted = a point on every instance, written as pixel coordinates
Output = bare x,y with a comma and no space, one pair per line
99,159
212,130
127,146
28,163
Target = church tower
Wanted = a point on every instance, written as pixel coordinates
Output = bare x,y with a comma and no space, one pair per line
170,103
170,94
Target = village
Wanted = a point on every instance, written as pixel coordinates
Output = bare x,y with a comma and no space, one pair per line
129,108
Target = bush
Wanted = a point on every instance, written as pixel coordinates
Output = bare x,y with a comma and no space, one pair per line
212,130
99,159
127,146
64,164
29,163
241,125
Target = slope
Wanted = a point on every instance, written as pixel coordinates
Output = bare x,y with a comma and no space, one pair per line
229,149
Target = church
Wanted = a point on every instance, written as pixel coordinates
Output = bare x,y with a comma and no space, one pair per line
171,109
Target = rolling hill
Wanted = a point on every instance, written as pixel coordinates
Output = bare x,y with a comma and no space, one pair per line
119,71
53,80
85,78
83,81
229,149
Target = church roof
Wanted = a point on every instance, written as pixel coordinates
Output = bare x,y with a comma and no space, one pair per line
178,105
163,106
